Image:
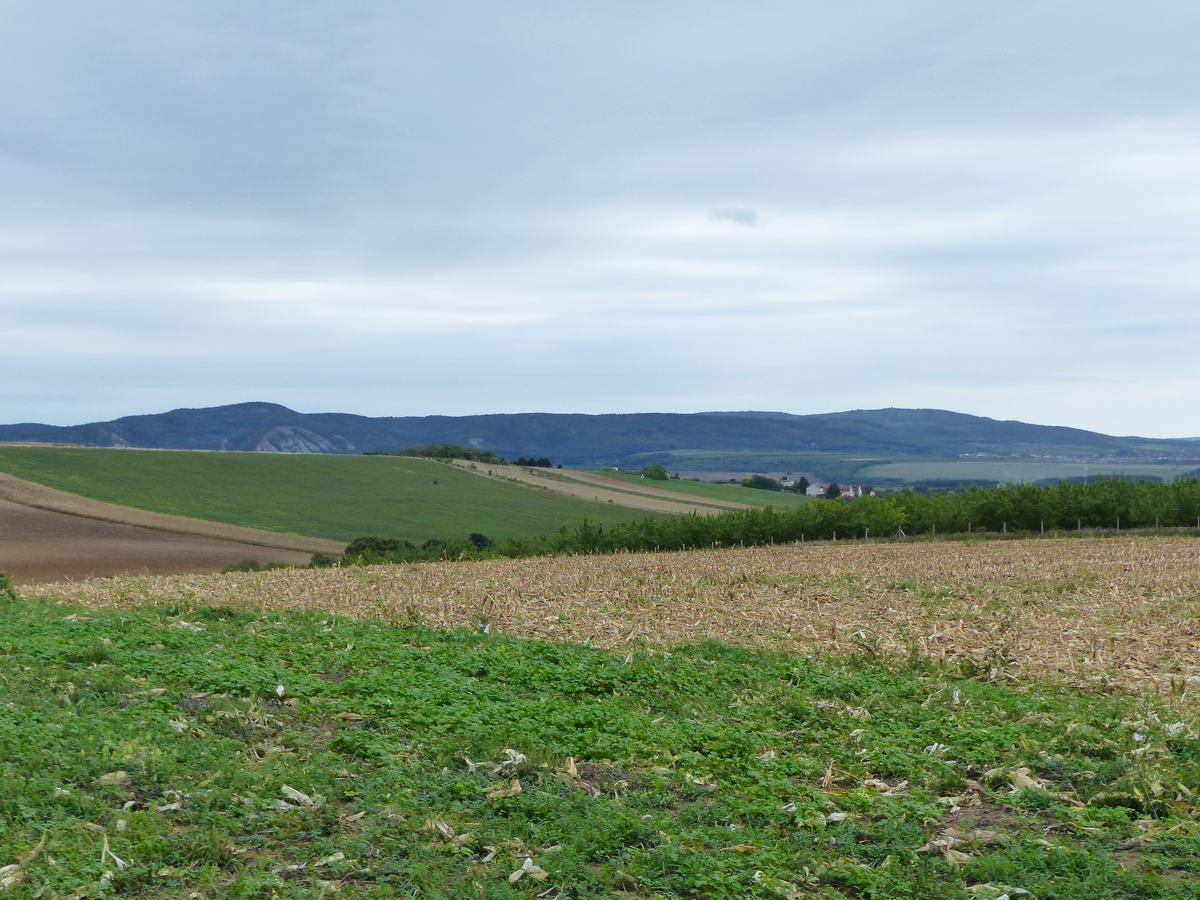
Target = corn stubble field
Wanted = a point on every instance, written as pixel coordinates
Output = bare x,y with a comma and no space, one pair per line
967,720
1124,612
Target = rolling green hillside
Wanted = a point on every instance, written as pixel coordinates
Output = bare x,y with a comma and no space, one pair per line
337,497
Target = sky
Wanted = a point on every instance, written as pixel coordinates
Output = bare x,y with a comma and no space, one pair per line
413,208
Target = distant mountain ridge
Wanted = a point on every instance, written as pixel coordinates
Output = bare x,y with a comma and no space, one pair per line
611,439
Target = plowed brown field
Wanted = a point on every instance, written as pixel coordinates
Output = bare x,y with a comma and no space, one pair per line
43,545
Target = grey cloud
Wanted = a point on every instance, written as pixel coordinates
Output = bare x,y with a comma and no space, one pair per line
741,215
472,207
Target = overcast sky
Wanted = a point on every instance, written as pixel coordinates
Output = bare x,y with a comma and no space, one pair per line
408,208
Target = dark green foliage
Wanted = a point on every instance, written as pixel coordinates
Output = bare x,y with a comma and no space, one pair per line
221,753
451,451
7,590
833,491
762,483
377,546
479,541
540,462
657,473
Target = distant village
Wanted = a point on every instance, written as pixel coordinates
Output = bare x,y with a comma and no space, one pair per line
848,491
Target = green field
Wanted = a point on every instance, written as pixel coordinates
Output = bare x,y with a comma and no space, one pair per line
201,752
1018,471
337,497
735,492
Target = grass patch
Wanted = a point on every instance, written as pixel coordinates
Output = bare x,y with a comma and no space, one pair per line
176,751
337,497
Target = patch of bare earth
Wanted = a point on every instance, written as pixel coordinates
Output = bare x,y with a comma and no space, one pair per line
38,496
1118,611
40,545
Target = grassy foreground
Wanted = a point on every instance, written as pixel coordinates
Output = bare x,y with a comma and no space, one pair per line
200,752
337,497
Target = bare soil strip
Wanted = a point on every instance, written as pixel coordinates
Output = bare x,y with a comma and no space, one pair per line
28,493
590,486
1115,612
41,545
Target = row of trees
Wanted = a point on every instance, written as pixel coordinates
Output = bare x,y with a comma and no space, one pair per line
1107,503
538,462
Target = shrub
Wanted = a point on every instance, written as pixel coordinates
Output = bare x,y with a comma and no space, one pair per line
762,482
540,462
7,591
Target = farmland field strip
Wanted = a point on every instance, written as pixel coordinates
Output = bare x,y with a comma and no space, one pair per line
337,498
583,491
624,487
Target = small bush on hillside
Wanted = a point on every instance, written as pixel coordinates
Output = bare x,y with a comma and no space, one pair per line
365,546
762,483
7,591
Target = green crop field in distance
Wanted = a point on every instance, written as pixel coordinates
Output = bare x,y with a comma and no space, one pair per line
735,492
337,497
1015,471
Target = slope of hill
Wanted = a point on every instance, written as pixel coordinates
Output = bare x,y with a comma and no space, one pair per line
335,497
616,439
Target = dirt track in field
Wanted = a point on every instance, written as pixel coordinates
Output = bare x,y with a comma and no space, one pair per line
605,490
42,545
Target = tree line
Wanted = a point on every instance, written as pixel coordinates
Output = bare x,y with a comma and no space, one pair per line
1107,503
458,451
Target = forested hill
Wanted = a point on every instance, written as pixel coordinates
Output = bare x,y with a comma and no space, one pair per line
617,439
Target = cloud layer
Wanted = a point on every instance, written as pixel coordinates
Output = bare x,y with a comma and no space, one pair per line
457,208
